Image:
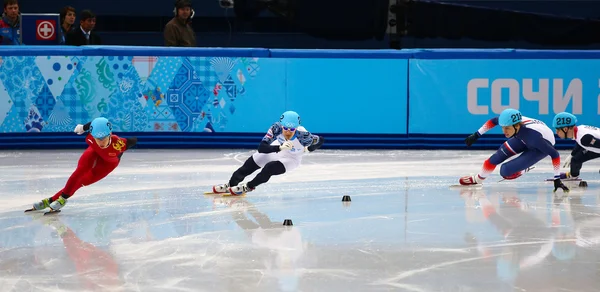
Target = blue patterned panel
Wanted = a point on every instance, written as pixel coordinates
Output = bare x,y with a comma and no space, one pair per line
141,93
45,102
56,71
70,100
23,81
164,71
187,96
34,122
120,65
195,96
5,103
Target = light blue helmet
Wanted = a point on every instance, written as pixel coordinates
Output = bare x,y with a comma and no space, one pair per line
509,117
290,119
100,128
564,119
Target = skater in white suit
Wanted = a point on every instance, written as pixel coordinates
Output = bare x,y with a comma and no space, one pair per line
587,145
279,152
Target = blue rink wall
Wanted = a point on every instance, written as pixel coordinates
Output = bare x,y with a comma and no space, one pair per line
228,98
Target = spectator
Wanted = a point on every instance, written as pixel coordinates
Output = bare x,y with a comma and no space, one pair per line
178,31
10,28
67,19
84,35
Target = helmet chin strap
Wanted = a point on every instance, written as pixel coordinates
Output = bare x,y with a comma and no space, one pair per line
516,130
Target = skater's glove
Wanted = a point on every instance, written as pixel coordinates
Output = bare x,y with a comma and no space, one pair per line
567,162
559,184
287,145
79,129
472,138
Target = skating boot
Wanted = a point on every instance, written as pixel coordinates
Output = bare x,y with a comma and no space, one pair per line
566,176
56,205
221,189
471,180
41,205
240,189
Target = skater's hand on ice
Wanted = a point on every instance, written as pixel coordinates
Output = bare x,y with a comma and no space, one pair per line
567,162
79,129
472,138
559,184
287,145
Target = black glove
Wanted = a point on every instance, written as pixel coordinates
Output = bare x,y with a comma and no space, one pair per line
472,138
559,184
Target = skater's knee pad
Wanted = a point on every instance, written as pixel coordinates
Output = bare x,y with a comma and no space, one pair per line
505,172
513,176
509,174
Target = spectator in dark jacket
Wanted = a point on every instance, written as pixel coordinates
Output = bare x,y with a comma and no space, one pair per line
84,34
178,31
10,28
67,19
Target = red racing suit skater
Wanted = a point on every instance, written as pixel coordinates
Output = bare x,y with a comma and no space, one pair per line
95,164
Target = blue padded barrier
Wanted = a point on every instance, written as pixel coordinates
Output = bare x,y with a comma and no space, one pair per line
228,97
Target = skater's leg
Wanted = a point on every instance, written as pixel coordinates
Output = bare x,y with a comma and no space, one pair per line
516,167
248,168
86,162
508,149
275,167
578,159
98,172
100,169
270,169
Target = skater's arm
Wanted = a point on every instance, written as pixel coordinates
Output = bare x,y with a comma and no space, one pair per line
131,141
317,143
589,141
80,129
304,136
265,145
87,126
490,124
313,142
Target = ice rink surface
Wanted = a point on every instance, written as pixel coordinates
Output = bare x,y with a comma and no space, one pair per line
149,227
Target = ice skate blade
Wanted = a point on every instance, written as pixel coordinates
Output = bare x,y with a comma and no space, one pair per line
51,212
224,194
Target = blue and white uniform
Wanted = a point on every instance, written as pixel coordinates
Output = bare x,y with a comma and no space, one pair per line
291,158
276,154
533,140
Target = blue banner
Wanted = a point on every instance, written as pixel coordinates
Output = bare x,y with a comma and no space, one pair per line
458,96
202,94
40,29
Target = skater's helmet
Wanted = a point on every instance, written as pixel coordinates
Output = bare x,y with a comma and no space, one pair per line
100,128
290,119
564,119
509,117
